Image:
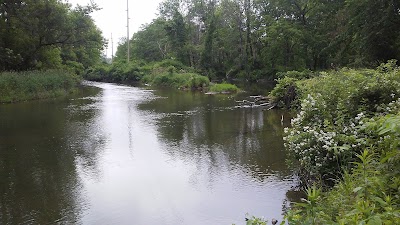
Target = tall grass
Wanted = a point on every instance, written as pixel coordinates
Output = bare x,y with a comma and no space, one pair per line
22,86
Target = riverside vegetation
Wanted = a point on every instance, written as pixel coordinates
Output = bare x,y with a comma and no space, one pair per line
346,131
30,85
166,73
255,40
46,45
345,141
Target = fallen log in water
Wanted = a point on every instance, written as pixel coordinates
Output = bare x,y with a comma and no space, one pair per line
256,101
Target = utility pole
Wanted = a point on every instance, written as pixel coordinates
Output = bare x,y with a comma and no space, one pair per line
112,48
127,28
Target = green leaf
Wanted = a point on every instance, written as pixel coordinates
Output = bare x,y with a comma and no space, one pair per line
357,189
380,201
376,220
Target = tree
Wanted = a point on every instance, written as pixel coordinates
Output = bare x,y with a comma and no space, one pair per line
373,28
152,43
257,38
35,32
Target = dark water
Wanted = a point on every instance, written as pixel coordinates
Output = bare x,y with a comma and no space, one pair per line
126,155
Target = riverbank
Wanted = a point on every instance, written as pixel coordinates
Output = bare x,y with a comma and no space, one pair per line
31,85
345,137
167,73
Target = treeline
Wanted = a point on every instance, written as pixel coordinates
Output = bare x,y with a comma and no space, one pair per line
254,39
45,44
48,34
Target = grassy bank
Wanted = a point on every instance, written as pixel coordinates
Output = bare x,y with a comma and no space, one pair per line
345,141
22,86
167,73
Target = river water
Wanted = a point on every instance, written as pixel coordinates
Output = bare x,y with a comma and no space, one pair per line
126,155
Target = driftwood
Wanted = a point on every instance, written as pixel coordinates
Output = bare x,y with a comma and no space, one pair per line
256,101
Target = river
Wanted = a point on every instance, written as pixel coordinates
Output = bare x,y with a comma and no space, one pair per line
127,155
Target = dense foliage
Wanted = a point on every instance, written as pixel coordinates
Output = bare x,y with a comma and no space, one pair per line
47,34
167,73
346,133
254,39
23,86
328,131
368,194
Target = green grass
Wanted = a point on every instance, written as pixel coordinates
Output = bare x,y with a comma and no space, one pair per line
23,86
224,88
177,80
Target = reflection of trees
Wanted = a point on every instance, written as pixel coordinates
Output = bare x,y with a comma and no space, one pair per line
39,183
208,128
85,137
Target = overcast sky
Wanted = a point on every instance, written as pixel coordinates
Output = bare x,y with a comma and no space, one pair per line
112,17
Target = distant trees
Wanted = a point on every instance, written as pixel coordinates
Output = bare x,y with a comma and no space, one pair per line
43,34
257,38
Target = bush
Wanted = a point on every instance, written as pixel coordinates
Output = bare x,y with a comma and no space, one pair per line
178,80
116,72
23,86
327,132
367,195
165,73
224,88
166,63
285,93
305,74
99,73
347,130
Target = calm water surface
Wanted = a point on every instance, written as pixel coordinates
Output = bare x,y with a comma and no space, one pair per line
127,155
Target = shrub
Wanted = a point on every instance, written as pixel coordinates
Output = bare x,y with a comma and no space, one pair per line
224,88
348,130
327,132
285,93
116,72
367,195
305,74
178,80
166,63
36,85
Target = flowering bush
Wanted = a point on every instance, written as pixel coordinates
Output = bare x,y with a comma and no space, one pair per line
349,123
328,130
369,192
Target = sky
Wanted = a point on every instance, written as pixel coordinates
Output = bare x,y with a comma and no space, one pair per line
111,19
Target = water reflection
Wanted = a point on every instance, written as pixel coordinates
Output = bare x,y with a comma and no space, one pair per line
125,155
38,175
236,153
249,137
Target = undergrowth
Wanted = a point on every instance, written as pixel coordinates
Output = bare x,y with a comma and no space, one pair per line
22,86
345,138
